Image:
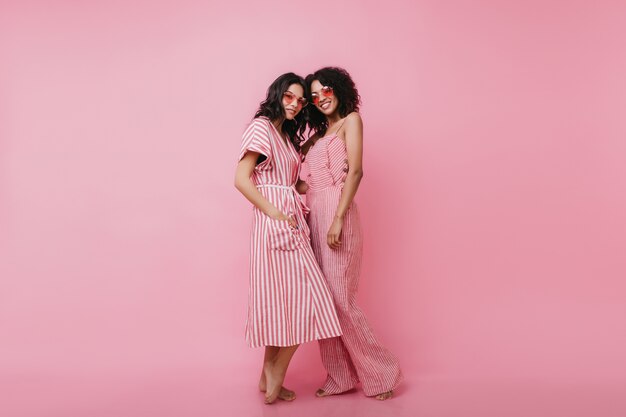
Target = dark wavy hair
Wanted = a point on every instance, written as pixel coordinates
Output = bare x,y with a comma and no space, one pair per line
343,88
273,109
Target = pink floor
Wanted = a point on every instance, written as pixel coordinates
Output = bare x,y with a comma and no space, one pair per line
197,394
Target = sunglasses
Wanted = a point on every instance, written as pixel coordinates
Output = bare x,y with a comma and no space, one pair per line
326,92
289,97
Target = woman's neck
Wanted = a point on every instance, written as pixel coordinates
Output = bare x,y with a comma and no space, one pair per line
278,124
333,118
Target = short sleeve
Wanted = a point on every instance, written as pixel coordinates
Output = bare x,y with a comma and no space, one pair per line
256,138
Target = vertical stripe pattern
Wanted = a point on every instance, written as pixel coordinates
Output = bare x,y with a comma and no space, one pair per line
289,301
356,355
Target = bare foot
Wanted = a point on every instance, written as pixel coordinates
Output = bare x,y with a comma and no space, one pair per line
274,382
321,393
285,394
384,396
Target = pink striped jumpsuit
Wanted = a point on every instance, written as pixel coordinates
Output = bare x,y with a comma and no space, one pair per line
288,300
357,355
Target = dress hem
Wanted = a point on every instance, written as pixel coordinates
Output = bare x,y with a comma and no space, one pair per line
312,339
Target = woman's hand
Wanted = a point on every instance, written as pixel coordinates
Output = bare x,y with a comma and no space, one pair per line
333,237
279,215
302,187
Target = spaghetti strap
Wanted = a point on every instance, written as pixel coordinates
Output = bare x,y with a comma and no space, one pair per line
336,132
340,126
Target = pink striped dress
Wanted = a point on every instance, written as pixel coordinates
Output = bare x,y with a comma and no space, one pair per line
357,355
288,301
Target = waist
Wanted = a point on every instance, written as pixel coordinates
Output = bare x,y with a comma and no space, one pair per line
282,187
285,201
319,188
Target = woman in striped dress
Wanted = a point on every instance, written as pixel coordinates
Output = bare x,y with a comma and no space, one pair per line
332,171
289,302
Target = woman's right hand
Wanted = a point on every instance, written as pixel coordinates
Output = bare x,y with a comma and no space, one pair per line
279,215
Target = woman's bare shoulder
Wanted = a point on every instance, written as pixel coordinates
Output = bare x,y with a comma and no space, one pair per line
353,119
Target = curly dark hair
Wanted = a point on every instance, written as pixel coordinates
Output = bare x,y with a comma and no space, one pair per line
344,89
272,107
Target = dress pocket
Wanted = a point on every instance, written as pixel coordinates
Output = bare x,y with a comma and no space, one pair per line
281,235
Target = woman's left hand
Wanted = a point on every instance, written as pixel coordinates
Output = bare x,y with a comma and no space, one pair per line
334,233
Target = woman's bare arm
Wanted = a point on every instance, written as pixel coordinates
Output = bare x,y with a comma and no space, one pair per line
354,145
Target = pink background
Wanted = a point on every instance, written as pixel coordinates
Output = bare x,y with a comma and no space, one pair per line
493,202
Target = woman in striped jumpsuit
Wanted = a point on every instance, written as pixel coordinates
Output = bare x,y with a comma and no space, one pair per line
332,171
289,302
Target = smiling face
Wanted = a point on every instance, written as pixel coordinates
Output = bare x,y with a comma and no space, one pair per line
293,101
324,98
